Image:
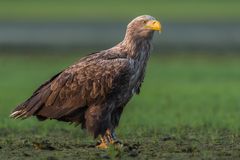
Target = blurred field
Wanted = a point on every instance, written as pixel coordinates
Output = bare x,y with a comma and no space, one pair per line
62,10
189,106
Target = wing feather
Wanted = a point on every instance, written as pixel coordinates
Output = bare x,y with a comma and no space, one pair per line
85,83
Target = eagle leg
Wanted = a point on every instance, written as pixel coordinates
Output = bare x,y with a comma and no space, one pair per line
109,138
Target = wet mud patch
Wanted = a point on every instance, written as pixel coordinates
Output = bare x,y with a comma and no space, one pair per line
185,145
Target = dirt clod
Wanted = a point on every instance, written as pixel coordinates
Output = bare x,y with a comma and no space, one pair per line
51,158
44,145
133,153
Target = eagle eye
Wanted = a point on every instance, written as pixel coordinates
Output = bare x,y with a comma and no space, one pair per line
144,21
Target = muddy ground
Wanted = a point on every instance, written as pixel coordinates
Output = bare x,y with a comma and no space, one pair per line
189,144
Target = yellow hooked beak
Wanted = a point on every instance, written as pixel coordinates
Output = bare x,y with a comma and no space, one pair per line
154,25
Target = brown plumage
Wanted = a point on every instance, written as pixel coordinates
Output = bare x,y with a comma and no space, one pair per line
94,91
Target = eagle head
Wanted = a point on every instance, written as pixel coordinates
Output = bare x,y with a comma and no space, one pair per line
143,27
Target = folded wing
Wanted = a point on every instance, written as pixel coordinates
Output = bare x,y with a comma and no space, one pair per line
71,91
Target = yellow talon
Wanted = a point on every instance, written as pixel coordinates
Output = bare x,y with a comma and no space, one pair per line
109,138
102,146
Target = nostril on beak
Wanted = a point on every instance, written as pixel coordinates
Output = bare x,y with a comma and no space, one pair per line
154,22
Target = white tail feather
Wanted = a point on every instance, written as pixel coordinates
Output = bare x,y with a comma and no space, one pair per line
18,114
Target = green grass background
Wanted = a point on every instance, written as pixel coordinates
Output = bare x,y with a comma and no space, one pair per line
189,98
179,91
75,10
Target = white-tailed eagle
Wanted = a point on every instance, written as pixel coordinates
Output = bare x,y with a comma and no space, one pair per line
94,91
